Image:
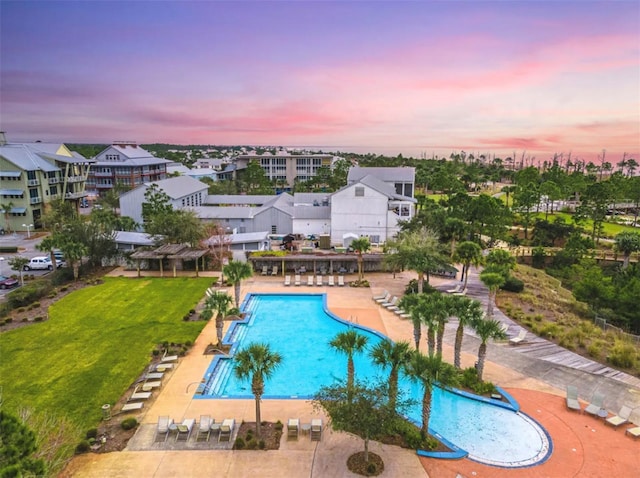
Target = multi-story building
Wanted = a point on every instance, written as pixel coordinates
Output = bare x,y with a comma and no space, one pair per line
287,168
125,164
34,174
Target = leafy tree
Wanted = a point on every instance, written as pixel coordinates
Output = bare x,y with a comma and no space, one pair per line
627,243
17,448
236,272
254,180
256,362
594,288
48,244
176,227
395,356
508,190
551,191
468,253
487,215
547,233
17,264
360,245
468,311
486,329
594,205
349,343
455,229
220,302
500,261
156,203
493,281
73,253
525,198
429,371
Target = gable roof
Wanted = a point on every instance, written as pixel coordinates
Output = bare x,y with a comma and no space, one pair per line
27,158
179,186
381,187
396,174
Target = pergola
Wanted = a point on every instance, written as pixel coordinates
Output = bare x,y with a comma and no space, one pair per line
173,252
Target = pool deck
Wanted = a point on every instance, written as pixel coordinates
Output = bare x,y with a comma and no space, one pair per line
583,445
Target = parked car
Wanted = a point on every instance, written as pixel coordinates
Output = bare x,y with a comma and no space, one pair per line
8,282
40,263
59,256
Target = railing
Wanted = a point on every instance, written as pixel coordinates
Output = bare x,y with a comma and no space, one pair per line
602,323
99,174
33,182
75,179
35,200
54,180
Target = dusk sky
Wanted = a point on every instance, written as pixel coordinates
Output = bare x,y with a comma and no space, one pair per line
382,77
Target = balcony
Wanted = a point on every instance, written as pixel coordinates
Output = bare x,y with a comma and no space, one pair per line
53,180
33,182
35,200
102,174
77,195
75,179
104,186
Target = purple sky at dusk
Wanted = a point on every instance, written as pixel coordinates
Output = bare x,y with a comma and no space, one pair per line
382,77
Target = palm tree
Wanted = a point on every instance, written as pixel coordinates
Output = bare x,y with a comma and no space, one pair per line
493,281
73,253
424,310
428,371
468,253
409,303
6,210
627,243
486,329
455,229
395,356
236,271
360,245
219,302
349,343
468,311
256,362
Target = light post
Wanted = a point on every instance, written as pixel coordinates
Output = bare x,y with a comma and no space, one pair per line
2,259
28,226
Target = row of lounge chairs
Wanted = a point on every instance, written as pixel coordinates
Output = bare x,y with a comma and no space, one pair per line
318,281
149,381
206,427
596,408
391,304
294,426
265,271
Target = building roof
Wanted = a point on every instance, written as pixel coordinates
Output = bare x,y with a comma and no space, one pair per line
240,238
310,199
398,174
135,238
27,158
238,199
149,161
11,192
230,212
179,186
381,187
312,212
131,151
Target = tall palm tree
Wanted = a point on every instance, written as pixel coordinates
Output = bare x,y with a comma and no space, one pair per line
468,253
468,312
455,229
236,272
428,371
360,245
486,329
256,362
349,343
395,356
220,302
73,253
440,312
493,281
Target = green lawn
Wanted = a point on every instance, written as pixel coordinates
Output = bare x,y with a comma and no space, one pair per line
96,342
610,229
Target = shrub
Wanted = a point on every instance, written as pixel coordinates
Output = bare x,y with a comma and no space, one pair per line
129,423
262,445
92,433
240,444
594,349
21,309
8,320
252,444
188,343
279,426
83,447
623,354
412,287
28,294
155,352
35,305
513,284
372,468
186,318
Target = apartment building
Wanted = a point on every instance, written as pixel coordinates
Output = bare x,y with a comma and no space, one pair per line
286,168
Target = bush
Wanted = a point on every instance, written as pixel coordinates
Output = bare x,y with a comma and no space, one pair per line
155,352
279,426
8,320
623,354
39,318
91,433
129,423
412,287
252,444
28,294
262,445
513,284
83,447
372,468
240,444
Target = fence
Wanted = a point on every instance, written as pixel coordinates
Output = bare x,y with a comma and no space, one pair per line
602,323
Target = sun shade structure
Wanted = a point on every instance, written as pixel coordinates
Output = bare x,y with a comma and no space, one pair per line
176,253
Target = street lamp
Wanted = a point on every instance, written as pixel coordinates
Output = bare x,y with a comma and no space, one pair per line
28,226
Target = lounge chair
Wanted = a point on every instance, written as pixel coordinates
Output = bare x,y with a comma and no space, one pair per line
148,386
595,405
402,313
519,338
293,426
274,272
169,358
504,327
384,299
393,305
621,418
340,281
310,280
634,432
316,429
162,367
154,376
265,270
572,399
226,429
139,395
455,289
297,280
389,303
287,280
381,296
332,281
184,429
204,427
460,292
132,406
319,281
164,427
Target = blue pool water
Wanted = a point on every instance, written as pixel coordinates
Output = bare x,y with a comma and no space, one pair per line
299,328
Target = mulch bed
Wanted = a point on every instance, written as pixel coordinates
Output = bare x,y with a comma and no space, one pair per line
357,464
270,433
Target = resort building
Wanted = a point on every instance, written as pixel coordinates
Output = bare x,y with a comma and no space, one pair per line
286,168
125,164
34,174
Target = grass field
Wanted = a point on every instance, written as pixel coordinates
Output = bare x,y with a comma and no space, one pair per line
610,229
96,342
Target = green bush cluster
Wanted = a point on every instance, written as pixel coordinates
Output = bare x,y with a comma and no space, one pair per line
513,284
28,294
83,447
623,354
240,444
468,378
129,423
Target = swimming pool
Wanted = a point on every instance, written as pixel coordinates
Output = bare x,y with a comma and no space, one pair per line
299,327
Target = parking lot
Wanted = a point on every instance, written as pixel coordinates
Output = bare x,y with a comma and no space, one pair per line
26,248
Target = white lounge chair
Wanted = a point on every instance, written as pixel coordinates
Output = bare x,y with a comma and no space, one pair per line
148,386
621,418
340,281
131,406
393,305
293,426
381,296
332,281
389,303
163,367
169,358
309,280
226,429
154,376
461,292
204,427
572,399
139,395
265,270
634,432
457,288
319,281
184,429
519,338
595,405
287,280
164,427
316,429
386,298
274,272
297,280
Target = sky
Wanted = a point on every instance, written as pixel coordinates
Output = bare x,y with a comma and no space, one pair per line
417,78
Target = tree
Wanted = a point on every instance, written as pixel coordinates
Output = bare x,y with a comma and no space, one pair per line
256,362
627,243
48,244
409,303
236,272
525,198
493,280
219,301
468,312
428,310
395,356
486,329
468,253
17,263
349,343
254,180
500,261
73,253
156,203
360,245
594,205
17,449
6,208
594,287
455,230
429,371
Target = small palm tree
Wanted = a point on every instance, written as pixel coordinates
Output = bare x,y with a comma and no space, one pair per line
486,329
6,210
360,245
627,242
73,253
236,272
256,362
219,302
429,370
395,356
468,253
493,281
468,312
349,343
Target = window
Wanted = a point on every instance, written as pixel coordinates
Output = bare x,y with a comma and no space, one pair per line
359,191
274,229
404,210
112,157
53,190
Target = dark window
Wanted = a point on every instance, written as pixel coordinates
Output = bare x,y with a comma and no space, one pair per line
359,191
